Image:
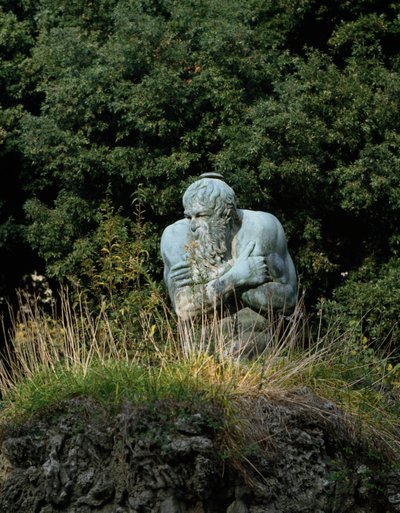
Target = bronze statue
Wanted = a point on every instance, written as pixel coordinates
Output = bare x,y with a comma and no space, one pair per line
221,255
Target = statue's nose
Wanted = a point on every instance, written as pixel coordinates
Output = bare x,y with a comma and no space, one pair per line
193,225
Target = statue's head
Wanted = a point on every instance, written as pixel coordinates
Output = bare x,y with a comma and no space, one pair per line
210,208
212,196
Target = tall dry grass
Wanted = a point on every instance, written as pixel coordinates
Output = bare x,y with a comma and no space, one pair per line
52,356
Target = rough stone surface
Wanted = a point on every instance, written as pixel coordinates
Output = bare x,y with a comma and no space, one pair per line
295,459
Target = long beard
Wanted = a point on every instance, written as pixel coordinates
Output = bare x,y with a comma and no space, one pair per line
209,251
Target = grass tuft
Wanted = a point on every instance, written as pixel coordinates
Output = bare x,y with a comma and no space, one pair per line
54,357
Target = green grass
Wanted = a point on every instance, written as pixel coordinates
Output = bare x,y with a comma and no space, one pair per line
109,382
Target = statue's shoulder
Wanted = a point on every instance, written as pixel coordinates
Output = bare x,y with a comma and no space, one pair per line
175,228
256,220
261,227
175,236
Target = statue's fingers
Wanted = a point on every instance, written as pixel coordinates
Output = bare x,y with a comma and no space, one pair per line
248,249
184,283
180,265
181,272
183,277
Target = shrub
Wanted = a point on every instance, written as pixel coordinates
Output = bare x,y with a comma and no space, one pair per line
369,300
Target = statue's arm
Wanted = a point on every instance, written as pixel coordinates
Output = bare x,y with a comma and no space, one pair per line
173,253
279,294
188,298
191,299
262,275
280,291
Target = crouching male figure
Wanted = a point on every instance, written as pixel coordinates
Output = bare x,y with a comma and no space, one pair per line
222,256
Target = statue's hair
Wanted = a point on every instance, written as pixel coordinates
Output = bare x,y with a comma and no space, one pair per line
214,194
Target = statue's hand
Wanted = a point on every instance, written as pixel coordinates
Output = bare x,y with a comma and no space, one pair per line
182,274
249,270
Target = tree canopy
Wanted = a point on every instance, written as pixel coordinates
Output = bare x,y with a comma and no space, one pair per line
113,102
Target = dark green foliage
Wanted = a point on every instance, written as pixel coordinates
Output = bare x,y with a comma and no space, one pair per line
295,102
17,94
368,302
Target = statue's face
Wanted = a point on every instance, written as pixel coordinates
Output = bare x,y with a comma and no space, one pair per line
210,231
200,218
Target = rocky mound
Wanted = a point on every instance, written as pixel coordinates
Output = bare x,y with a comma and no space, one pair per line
297,456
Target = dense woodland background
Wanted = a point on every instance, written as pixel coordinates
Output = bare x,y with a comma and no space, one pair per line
110,108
